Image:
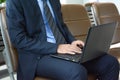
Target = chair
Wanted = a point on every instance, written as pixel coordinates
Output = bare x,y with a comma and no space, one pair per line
10,53
106,13
90,13
76,18
2,62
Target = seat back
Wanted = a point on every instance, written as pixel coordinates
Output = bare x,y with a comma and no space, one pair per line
106,13
1,50
77,20
90,12
2,62
10,53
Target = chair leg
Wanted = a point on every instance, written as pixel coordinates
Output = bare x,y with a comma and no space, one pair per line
11,76
9,64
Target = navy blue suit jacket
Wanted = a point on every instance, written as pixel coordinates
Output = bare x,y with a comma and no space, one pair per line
28,34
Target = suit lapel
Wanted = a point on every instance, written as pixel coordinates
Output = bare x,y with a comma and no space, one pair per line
53,8
56,16
34,5
36,13
36,10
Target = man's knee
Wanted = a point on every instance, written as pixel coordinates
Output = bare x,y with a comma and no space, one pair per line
109,63
80,71
76,72
112,61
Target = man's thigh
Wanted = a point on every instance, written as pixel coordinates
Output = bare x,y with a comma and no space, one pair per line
56,68
101,64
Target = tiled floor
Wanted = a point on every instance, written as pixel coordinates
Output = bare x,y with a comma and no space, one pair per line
4,73
6,78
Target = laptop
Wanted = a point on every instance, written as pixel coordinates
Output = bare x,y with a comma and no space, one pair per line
97,44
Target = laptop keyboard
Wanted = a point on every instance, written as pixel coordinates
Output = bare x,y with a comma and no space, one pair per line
70,57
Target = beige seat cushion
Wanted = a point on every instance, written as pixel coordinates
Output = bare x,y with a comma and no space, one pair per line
90,77
106,13
115,52
76,18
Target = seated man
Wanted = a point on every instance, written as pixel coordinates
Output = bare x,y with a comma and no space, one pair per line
36,29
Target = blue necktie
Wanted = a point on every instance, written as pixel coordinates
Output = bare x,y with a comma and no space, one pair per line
56,32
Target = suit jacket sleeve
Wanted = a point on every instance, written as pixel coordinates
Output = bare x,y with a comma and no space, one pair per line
18,33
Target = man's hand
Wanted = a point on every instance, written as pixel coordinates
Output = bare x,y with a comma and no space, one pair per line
68,49
78,43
